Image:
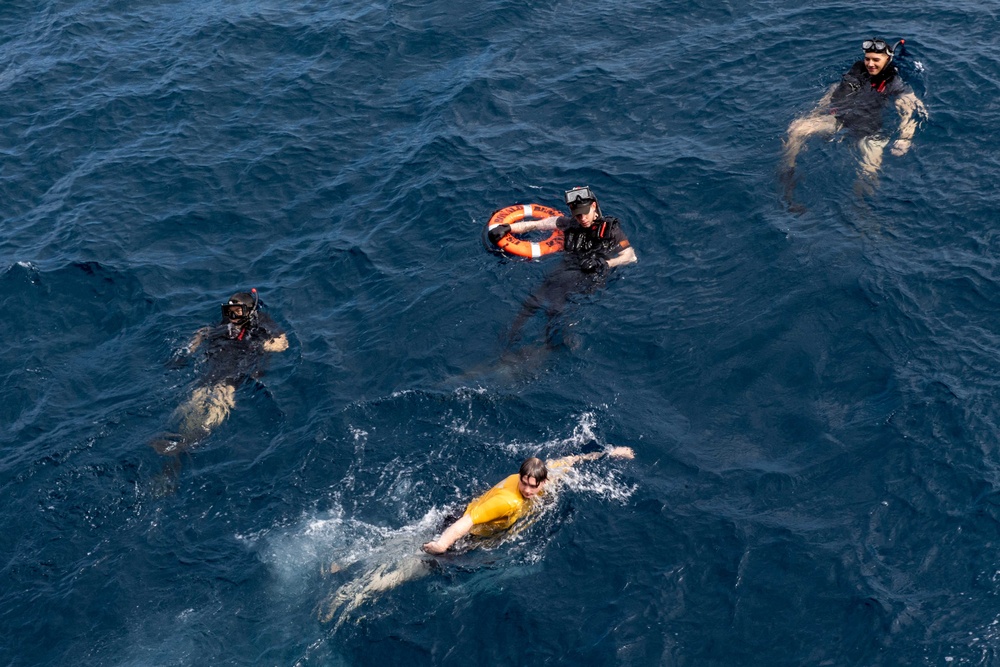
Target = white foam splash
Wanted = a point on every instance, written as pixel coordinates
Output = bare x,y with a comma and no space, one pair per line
359,562
600,482
365,559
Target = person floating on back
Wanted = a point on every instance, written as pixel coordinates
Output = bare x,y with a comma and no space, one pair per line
500,507
593,245
856,105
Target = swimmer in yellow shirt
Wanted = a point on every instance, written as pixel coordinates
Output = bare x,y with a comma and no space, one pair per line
508,501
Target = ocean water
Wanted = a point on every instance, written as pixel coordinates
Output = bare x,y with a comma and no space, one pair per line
811,397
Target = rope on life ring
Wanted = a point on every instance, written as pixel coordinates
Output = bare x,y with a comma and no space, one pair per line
521,247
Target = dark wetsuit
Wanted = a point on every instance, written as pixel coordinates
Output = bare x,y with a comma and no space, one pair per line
604,239
234,355
859,100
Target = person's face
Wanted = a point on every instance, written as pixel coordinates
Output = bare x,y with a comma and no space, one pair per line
529,486
587,219
234,312
876,62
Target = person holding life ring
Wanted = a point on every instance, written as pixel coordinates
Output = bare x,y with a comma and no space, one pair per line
597,242
498,230
593,244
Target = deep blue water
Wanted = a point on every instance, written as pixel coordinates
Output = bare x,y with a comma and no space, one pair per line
812,398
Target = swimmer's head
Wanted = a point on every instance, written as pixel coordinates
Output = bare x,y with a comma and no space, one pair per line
582,203
878,54
241,309
531,477
877,45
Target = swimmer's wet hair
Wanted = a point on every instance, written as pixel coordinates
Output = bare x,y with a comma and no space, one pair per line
534,467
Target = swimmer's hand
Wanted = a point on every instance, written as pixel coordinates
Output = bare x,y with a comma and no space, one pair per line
621,453
434,548
278,344
593,264
497,233
900,146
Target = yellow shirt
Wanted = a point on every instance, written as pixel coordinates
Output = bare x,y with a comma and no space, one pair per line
498,508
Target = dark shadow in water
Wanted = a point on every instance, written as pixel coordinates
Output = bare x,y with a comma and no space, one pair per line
513,368
522,360
553,297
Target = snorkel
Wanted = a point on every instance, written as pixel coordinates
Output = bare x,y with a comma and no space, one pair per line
897,45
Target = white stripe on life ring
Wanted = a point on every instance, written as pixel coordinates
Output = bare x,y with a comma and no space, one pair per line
536,250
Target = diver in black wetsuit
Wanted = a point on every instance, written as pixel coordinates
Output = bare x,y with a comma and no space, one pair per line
856,105
234,351
592,245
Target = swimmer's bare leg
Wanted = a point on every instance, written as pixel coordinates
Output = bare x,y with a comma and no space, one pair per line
872,150
367,586
801,129
788,180
206,408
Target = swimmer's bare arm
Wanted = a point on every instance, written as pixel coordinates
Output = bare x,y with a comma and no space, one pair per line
570,461
910,108
532,225
196,340
626,256
452,534
277,344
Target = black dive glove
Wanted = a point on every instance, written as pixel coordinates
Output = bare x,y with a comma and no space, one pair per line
497,233
593,264
849,85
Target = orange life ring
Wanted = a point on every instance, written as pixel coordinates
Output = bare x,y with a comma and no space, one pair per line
521,247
